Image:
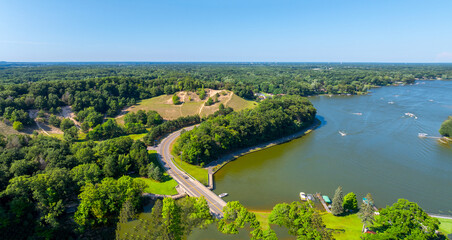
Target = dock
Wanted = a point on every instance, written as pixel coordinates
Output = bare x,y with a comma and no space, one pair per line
371,203
323,202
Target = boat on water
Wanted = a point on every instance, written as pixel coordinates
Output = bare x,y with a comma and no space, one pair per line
303,196
342,133
390,102
411,115
223,195
358,113
422,135
326,199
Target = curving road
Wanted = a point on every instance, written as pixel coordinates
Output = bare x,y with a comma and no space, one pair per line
191,186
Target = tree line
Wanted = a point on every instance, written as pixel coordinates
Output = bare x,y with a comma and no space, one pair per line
42,177
271,119
107,88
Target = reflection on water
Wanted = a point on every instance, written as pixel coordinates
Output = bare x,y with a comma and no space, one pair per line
380,153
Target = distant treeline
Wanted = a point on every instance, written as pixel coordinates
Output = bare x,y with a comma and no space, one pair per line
108,88
271,119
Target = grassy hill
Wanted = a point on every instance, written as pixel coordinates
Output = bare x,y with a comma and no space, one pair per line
191,104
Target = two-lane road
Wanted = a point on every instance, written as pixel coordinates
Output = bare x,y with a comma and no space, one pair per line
191,186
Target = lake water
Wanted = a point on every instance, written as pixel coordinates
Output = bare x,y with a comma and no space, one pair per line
381,153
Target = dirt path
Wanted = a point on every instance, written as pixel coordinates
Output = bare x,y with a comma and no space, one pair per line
202,106
227,101
66,112
33,114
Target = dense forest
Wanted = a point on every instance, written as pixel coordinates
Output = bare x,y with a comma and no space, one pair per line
271,119
42,177
108,88
83,187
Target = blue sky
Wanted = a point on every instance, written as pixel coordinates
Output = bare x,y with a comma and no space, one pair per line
226,30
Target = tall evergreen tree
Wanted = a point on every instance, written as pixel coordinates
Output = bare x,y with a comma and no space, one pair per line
338,198
366,212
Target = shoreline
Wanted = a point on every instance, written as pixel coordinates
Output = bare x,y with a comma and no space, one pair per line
216,165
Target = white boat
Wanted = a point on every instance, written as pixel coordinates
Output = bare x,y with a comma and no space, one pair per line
342,133
391,102
359,114
223,195
303,196
422,135
411,115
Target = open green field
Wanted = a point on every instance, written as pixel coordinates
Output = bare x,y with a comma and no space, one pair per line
166,187
199,173
137,136
344,227
262,217
191,104
445,226
237,103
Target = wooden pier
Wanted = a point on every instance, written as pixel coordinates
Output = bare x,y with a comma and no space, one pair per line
323,202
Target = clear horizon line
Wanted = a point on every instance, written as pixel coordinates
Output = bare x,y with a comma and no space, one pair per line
346,62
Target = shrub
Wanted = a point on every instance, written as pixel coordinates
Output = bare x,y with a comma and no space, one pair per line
446,128
176,99
209,102
350,202
18,126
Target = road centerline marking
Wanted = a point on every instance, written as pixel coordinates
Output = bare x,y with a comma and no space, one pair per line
183,179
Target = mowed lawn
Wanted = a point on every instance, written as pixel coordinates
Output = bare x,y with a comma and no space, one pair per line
445,226
344,227
199,173
166,187
262,217
137,136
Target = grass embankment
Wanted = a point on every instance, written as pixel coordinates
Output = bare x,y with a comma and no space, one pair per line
350,226
262,217
238,103
165,187
344,227
445,226
137,136
199,173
